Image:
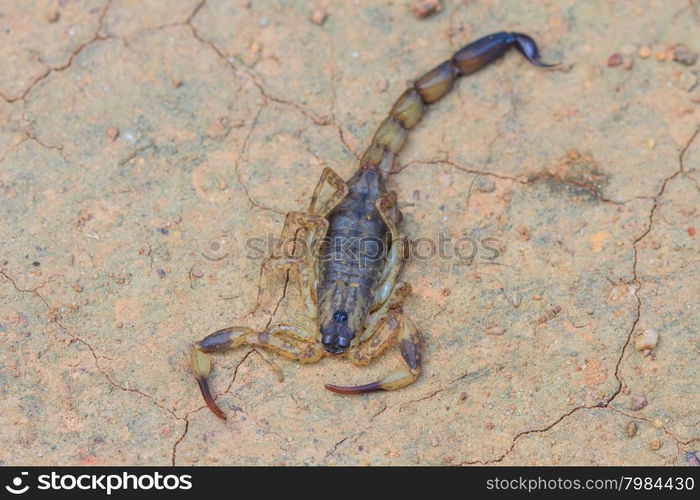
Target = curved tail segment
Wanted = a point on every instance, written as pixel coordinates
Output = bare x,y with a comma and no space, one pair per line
435,84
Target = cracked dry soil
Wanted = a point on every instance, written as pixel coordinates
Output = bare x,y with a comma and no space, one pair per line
138,137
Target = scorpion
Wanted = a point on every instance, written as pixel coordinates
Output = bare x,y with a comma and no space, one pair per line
351,289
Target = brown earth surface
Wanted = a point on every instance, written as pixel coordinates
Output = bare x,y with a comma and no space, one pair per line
143,143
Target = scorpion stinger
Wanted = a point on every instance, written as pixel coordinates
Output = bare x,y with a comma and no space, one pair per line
528,48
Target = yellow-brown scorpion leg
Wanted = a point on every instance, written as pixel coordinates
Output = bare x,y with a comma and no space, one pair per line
307,228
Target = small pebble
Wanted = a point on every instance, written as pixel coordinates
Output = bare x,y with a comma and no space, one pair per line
537,296
119,324
658,424
644,52
646,340
614,60
490,426
425,8
161,273
516,299
688,81
53,16
692,458
639,402
176,82
548,315
112,133
661,55
656,444
264,22
434,441
524,233
495,330
255,47
164,230
631,429
318,17
691,231
382,85
685,55
650,144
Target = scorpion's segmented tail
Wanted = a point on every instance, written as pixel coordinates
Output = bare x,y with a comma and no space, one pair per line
432,86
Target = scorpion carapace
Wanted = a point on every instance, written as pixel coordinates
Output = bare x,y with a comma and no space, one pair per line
347,268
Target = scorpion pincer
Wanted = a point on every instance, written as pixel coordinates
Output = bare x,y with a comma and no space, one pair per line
351,289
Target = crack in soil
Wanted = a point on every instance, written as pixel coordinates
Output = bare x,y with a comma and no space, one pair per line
470,376
176,443
241,68
237,164
593,190
635,279
53,318
607,403
97,37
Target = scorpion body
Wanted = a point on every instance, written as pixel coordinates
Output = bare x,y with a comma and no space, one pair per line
349,264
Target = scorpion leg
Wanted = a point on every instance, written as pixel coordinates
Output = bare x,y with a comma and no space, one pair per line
285,340
271,363
409,344
304,259
386,206
301,258
400,291
341,190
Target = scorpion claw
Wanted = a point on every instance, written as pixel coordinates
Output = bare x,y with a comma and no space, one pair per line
201,366
358,389
209,399
394,380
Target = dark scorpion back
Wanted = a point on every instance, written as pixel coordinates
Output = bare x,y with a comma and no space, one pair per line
353,259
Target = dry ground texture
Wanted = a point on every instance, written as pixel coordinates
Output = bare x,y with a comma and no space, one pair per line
136,137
